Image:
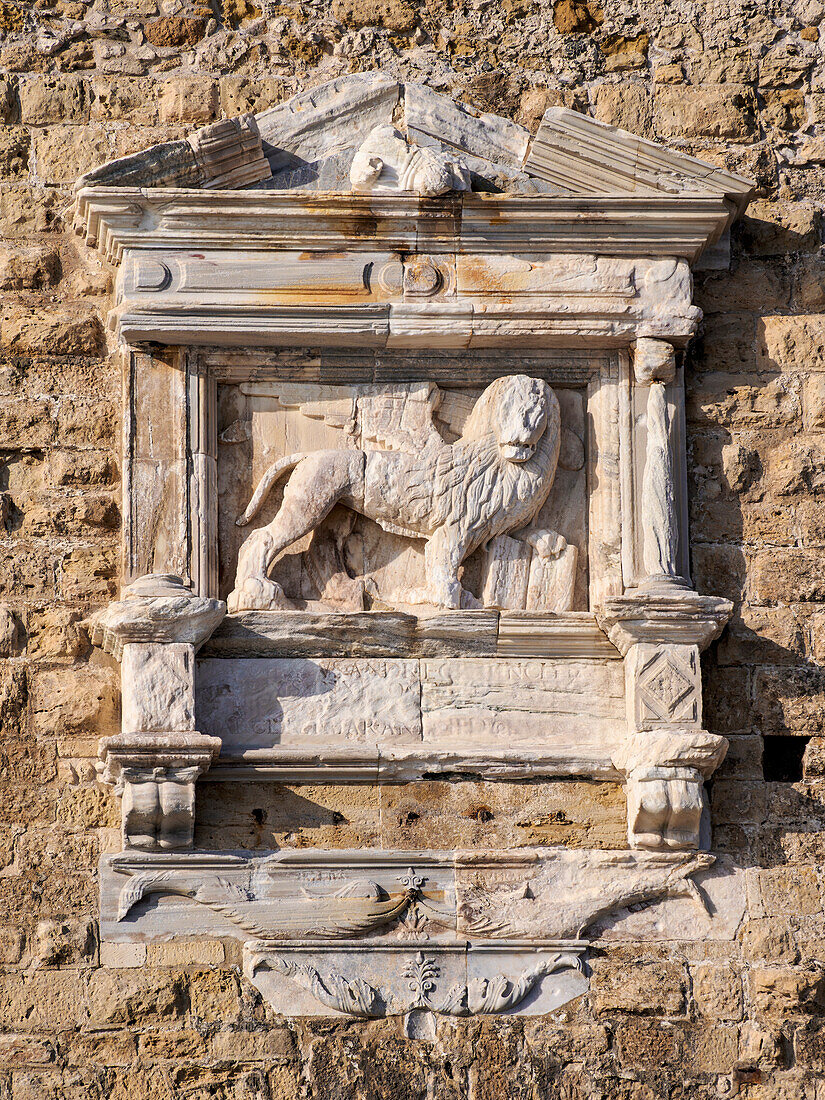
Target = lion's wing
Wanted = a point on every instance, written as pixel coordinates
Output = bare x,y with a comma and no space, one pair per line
391,417
399,418
335,405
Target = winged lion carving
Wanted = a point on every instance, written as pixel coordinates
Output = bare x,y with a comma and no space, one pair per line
457,496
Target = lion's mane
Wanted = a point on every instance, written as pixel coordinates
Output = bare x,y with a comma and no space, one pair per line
471,487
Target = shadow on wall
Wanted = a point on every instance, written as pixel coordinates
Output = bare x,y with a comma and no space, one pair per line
755,383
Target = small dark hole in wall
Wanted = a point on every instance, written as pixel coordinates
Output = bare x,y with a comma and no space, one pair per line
259,816
480,813
782,758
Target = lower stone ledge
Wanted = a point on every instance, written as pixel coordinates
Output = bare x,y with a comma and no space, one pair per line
374,932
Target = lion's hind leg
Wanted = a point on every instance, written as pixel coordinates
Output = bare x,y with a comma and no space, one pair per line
318,482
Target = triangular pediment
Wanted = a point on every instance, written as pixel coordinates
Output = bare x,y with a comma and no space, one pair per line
308,143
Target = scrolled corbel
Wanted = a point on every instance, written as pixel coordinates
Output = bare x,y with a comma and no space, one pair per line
154,763
665,772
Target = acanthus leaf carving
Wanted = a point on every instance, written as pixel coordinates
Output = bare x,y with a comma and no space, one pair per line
421,974
355,998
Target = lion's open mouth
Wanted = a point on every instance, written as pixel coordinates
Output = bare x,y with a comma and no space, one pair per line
518,452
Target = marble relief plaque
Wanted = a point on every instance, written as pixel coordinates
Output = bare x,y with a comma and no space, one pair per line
405,498
351,561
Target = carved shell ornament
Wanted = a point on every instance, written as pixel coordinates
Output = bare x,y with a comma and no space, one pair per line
386,161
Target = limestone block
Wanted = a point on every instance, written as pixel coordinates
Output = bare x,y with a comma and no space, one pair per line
59,332
719,111
717,990
28,268
52,99
189,99
175,30
14,152
124,97
392,15
61,943
30,209
639,988
781,992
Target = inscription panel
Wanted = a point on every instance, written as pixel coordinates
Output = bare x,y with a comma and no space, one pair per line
504,701
260,703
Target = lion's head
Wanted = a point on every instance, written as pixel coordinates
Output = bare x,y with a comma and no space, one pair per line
522,413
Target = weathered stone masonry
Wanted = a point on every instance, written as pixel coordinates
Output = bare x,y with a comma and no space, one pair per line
703,1014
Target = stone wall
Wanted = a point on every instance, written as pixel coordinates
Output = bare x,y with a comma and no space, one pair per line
738,84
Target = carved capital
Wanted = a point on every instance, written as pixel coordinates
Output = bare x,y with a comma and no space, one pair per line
653,361
678,617
156,608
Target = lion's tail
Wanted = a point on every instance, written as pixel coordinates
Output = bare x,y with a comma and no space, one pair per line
265,484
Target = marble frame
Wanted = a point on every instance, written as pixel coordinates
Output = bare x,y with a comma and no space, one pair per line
225,277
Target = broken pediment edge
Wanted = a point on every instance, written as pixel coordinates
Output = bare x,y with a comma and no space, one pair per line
287,146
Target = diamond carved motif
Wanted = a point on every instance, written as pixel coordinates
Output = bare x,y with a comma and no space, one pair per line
668,689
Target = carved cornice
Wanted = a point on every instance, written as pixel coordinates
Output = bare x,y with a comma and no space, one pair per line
673,748
157,609
537,895
147,755
115,218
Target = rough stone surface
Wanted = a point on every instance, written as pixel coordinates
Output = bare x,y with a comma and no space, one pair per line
683,1018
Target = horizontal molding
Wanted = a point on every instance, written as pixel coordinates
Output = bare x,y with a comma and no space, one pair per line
115,218
410,763
396,634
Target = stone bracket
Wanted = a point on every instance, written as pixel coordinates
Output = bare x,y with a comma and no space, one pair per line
667,755
156,776
155,762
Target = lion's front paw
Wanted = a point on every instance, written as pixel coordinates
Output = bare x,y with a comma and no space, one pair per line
257,594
